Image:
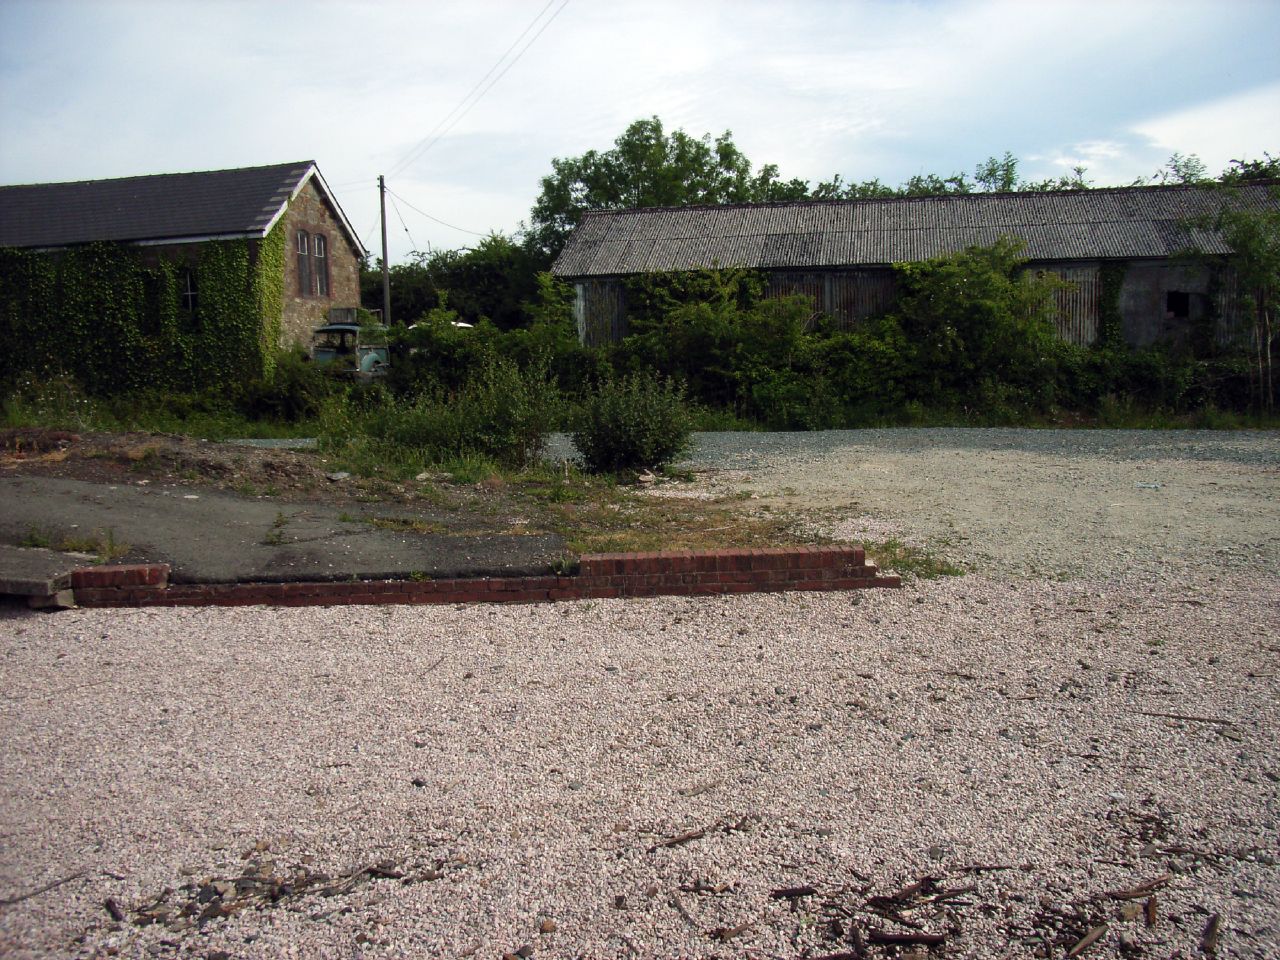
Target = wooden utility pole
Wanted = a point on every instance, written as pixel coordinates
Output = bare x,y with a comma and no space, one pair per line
386,267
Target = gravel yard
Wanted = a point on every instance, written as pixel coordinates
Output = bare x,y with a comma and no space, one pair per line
1025,502
1079,739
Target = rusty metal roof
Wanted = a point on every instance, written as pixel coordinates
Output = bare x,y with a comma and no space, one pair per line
1122,222
162,208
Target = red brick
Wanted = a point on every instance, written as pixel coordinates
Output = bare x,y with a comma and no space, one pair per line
121,575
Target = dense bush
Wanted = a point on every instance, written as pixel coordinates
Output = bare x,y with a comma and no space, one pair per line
293,391
501,412
633,422
975,323
436,353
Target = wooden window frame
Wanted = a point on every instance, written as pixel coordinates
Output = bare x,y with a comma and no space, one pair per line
188,291
320,264
302,245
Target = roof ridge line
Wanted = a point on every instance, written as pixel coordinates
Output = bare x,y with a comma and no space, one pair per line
152,176
988,195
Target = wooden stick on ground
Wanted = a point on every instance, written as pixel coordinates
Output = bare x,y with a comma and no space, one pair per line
906,939
682,838
1209,942
1142,890
10,901
1187,717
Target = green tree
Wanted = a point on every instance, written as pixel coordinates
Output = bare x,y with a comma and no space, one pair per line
1183,168
1250,171
998,175
492,280
647,167
993,175
1254,237
975,320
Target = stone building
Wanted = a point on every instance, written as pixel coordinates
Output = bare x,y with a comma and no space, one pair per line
1128,243
182,218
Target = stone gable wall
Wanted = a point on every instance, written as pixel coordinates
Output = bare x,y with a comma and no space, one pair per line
309,211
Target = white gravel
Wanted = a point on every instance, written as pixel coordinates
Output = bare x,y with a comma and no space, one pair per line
533,756
1050,503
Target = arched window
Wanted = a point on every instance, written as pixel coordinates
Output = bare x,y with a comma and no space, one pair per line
304,263
320,264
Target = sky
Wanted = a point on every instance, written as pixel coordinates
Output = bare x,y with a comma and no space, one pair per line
463,104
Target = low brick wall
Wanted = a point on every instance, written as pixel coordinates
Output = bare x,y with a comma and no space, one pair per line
600,575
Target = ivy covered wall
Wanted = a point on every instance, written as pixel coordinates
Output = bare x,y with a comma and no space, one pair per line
118,317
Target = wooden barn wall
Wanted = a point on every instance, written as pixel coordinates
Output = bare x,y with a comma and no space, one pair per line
847,296
851,296
599,309
1234,327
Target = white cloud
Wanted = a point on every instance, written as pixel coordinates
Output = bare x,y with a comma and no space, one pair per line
1237,127
864,88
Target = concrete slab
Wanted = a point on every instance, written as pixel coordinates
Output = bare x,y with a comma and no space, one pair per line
34,572
208,536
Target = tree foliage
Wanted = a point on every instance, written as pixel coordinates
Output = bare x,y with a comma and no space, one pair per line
976,316
647,167
492,280
1254,236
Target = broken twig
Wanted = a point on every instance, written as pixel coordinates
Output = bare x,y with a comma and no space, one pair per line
1142,890
725,934
906,939
682,838
792,893
10,901
680,909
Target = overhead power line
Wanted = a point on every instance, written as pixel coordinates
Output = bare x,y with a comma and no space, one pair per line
400,217
366,237
424,213
476,93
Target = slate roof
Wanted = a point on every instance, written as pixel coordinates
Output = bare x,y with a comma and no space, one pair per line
1123,222
162,208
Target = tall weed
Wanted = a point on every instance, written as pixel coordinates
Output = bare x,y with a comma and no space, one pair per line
502,413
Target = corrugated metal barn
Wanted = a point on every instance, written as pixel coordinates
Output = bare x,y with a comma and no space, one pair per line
841,253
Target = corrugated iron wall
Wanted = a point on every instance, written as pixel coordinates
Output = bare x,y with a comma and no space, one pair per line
1078,303
847,296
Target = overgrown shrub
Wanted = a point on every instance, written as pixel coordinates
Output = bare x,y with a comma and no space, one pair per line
975,316
57,402
502,413
293,391
633,422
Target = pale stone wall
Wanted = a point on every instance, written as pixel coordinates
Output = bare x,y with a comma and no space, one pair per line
304,312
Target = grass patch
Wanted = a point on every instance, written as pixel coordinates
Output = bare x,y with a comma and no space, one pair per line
903,558
37,539
103,544
600,514
406,525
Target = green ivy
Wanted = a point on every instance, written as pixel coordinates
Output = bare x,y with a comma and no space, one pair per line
105,316
268,278
1111,275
